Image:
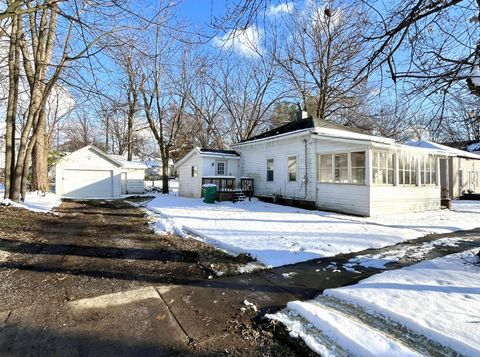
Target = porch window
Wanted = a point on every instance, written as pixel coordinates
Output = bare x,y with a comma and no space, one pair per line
220,168
357,163
194,171
292,168
382,168
407,172
325,168
428,167
341,168
270,167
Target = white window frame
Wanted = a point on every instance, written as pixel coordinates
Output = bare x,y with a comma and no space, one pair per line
266,169
224,168
414,166
194,170
383,167
296,167
349,167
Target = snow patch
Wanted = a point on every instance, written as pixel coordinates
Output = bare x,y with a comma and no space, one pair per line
279,235
35,201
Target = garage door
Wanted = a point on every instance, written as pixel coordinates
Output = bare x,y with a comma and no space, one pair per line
87,183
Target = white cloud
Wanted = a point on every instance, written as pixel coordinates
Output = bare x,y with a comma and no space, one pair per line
244,42
283,8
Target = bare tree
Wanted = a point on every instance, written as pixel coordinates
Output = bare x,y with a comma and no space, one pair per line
319,51
165,90
247,88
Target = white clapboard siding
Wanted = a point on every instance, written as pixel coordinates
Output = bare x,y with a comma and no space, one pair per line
254,164
388,199
353,199
135,180
190,186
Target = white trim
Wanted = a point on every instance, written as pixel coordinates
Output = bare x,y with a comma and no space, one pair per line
296,169
266,168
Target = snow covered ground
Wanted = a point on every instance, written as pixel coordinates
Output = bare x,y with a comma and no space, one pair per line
36,202
438,299
279,235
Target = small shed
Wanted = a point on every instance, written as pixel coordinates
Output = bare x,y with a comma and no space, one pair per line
202,163
90,173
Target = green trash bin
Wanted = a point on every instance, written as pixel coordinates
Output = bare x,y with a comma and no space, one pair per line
209,192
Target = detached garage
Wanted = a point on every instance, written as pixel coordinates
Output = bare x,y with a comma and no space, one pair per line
89,173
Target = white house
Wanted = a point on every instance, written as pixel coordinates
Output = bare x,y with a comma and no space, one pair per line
155,167
90,173
201,164
459,171
331,167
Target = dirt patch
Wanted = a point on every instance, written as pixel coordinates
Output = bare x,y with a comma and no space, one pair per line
88,249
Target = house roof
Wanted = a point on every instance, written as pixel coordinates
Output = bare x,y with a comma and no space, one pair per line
115,159
134,164
448,149
217,151
307,123
228,154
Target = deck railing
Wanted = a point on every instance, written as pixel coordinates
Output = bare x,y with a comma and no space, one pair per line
224,184
247,186
227,188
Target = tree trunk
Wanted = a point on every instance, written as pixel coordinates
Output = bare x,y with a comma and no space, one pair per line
40,157
165,174
13,80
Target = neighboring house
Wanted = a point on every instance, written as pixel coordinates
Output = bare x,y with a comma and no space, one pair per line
472,146
330,167
201,164
459,172
90,173
155,167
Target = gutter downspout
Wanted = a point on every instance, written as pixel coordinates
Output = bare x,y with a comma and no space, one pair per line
305,141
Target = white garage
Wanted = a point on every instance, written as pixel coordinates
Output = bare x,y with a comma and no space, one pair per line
89,173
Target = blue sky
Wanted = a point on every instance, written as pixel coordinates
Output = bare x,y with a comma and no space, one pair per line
200,11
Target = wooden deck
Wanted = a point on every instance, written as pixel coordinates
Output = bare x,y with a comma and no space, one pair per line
228,190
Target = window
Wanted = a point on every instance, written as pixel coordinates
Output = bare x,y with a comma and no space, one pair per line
335,168
325,168
341,168
194,171
428,168
407,172
220,168
357,163
382,168
270,170
292,168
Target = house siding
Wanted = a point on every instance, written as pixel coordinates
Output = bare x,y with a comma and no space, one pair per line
254,165
386,199
190,186
353,199
135,180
